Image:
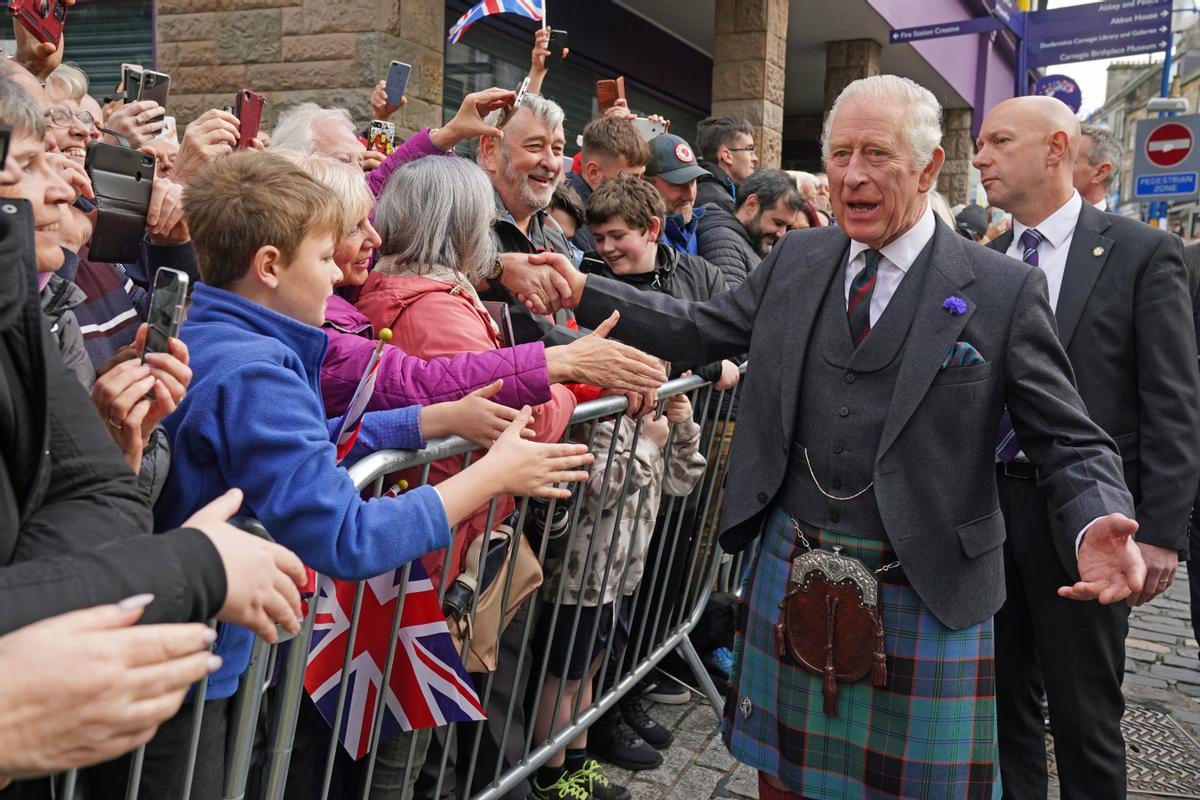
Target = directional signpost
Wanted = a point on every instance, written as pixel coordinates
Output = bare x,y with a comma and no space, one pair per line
1166,160
922,32
1099,30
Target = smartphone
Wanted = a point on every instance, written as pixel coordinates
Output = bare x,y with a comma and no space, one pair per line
381,137
649,128
154,86
608,92
507,112
122,179
166,309
558,43
397,81
131,82
45,19
248,108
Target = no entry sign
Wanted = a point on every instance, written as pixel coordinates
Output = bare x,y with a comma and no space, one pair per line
1166,161
1168,144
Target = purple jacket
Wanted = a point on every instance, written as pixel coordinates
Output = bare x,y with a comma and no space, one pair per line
416,146
405,380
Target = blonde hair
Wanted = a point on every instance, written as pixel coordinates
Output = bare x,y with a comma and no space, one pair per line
346,181
250,200
67,82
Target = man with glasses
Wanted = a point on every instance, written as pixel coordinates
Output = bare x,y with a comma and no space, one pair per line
727,153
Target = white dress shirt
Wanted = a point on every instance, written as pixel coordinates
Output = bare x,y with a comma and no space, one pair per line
1102,203
1059,230
896,259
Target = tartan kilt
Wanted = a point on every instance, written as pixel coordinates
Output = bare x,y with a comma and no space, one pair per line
929,733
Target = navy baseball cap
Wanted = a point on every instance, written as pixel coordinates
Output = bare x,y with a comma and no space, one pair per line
672,159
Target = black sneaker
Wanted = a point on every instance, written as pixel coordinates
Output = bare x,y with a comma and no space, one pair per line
591,777
662,688
633,711
567,787
615,742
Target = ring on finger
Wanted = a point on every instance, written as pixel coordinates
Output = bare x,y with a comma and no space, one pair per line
113,424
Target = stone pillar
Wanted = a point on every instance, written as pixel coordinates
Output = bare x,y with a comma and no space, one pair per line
954,181
847,61
748,69
331,53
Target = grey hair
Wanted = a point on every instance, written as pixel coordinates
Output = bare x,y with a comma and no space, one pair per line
439,212
547,111
20,111
67,82
1106,147
293,129
923,124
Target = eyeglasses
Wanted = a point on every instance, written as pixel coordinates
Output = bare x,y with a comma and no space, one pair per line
749,149
61,117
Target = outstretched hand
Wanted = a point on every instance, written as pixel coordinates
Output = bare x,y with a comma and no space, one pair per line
469,122
1110,565
599,361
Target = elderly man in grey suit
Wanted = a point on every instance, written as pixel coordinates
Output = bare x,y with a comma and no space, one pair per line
882,355
1124,316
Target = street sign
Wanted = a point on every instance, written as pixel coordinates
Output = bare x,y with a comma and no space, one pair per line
1174,184
1166,159
960,28
1114,29
1062,87
1013,17
1168,144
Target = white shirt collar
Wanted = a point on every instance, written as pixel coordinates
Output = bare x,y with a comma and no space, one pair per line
1057,227
904,249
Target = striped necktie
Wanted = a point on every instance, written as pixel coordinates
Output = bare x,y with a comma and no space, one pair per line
1007,445
858,309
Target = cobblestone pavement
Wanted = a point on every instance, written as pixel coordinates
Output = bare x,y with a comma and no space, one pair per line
1162,674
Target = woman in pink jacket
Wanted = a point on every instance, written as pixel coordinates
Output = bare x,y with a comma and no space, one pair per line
423,289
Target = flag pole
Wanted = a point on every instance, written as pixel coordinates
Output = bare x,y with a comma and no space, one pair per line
545,14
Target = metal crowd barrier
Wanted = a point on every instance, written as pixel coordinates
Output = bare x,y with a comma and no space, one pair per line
682,569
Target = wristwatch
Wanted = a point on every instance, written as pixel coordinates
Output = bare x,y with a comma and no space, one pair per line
497,269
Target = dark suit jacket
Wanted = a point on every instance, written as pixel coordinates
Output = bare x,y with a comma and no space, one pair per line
1191,260
1125,319
935,478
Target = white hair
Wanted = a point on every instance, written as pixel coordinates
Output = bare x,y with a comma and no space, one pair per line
548,111
67,82
806,182
438,212
294,128
923,120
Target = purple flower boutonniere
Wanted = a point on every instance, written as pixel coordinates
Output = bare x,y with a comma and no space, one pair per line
955,305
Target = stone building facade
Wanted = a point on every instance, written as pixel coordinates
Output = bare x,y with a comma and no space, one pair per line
331,52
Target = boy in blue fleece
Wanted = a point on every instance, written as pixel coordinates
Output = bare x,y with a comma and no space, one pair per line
264,233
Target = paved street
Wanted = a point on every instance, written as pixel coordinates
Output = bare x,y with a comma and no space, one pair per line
1163,678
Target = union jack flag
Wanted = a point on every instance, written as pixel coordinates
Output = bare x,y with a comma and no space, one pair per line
534,9
429,685
352,422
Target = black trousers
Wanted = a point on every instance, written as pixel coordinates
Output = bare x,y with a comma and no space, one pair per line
1075,650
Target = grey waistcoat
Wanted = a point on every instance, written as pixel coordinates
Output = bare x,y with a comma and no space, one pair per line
845,394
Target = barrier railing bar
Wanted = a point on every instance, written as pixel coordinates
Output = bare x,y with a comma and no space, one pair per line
385,679
343,686
286,711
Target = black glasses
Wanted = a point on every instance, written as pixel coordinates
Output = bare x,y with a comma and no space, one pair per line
748,149
61,117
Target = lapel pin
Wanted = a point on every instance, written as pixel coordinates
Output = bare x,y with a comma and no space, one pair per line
1098,251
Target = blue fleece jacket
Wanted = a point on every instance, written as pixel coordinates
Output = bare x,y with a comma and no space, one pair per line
253,419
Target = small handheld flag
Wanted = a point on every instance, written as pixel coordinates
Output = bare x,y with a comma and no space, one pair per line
533,9
353,420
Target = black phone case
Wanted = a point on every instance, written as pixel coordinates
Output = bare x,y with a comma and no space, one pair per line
123,179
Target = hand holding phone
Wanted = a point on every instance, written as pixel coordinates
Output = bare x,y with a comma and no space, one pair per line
44,19
248,108
123,180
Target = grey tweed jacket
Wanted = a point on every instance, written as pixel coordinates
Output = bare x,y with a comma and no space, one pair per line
935,468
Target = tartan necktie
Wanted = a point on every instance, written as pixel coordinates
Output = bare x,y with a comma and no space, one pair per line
1007,445
858,308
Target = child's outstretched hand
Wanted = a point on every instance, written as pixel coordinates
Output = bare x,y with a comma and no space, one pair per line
531,469
474,417
679,408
